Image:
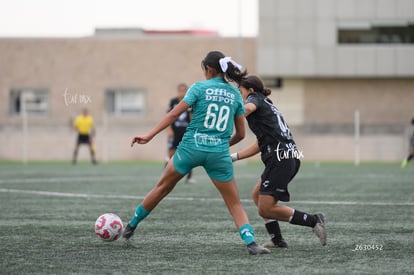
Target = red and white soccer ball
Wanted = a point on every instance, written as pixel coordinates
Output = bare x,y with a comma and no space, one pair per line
108,227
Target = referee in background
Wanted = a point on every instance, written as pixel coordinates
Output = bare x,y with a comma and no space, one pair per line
84,125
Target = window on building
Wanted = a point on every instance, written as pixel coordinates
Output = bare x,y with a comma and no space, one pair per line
273,82
30,100
125,101
376,33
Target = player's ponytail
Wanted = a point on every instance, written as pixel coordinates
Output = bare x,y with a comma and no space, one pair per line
266,91
224,65
256,84
234,72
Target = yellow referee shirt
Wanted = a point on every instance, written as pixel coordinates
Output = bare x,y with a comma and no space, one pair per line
83,124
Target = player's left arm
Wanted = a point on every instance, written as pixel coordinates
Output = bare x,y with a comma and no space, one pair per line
240,130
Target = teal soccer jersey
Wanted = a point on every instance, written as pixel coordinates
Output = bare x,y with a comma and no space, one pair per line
215,104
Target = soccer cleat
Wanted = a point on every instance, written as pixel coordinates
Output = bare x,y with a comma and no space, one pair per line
319,229
404,163
282,243
255,249
128,232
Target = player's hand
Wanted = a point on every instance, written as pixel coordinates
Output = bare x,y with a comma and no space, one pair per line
140,140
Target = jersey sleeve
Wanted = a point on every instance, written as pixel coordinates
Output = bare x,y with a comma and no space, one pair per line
240,105
252,98
191,96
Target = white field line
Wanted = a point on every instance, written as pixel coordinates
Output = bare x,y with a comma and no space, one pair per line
127,197
74,179
124,178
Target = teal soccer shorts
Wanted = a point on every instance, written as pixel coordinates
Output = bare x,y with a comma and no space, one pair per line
218,165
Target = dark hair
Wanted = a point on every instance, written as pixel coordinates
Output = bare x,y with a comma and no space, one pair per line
232,73
182,85
256,84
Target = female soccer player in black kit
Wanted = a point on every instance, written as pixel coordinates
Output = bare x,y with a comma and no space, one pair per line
281,159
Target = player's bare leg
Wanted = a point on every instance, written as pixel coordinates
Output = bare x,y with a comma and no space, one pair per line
165,185
269,209
229,192
272,225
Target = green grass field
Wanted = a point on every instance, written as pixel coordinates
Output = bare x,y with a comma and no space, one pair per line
48,211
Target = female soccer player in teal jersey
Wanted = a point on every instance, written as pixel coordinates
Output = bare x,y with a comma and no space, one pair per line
217,109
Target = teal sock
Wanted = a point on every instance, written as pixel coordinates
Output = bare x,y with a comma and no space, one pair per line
140,214
247,233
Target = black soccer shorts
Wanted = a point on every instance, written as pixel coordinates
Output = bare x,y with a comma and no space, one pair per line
277,175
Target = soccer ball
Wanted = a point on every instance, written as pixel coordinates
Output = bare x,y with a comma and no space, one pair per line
108,227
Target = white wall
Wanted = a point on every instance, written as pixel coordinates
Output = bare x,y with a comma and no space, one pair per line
298,38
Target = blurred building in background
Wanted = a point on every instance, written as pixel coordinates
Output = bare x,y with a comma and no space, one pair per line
124,77
330,64
330,61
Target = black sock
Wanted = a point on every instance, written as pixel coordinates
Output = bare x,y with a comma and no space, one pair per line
273,229
304,219
410,157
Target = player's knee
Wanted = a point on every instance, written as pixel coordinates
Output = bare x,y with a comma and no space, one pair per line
264,212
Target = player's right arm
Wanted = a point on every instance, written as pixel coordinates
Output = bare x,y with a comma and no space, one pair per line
164,123
246,152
